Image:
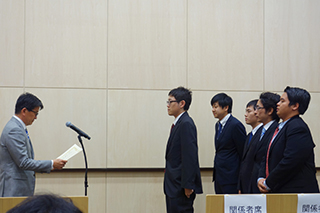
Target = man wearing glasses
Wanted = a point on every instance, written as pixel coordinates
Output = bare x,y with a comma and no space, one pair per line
182,179
266,111
17,164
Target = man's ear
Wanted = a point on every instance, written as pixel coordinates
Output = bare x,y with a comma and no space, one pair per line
23,111
295,106
270,111
226,108
182,103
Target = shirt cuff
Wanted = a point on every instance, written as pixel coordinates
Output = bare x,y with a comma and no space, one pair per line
264,183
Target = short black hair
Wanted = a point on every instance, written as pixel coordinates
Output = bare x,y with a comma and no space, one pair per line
182,94
28,101
252,103
46,203
269,101
300,96
223,101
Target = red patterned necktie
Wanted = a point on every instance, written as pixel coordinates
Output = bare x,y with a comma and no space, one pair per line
171,127
267,163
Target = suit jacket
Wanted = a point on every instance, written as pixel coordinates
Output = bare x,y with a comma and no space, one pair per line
17,165
247,162
229,150
182,164
291,160
259,150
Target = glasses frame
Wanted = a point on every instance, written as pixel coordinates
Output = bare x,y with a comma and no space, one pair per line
36,113
169,102
258,107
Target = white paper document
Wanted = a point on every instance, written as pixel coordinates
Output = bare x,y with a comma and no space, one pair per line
72,151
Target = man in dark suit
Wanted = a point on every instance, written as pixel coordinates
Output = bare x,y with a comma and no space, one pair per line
289,166
182,179
266,111
17,164
229,143
248,152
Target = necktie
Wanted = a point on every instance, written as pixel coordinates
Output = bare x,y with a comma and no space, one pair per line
250,137
262,133
219,130
171,128
267,163
31,148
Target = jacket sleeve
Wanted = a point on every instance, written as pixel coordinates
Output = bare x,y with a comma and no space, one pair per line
189,155
16,145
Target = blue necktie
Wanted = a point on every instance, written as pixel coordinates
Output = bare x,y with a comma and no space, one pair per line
31,148
250,137
219,130
262,133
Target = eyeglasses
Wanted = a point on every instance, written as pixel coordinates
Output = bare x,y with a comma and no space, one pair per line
169,102
36,113
258,108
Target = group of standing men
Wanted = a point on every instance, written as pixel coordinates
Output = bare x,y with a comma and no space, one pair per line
274,157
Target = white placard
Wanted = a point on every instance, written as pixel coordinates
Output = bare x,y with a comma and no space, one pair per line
308,203
245,203
72,151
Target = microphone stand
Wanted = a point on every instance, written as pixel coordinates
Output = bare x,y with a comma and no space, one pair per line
85,161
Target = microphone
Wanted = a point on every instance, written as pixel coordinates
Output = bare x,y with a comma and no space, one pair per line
79,131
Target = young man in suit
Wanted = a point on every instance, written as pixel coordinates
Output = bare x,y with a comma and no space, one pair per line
289,165
182,179
17,164
248,152
266,111
229,143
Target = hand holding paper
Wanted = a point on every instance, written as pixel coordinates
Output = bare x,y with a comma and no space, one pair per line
59,164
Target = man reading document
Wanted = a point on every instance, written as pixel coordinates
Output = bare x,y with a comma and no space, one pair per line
17,164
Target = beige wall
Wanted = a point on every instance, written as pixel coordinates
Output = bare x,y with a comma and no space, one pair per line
107,66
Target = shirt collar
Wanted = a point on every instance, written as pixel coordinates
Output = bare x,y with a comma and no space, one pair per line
225,119
176,120
23,124
256,129
268,125
281,125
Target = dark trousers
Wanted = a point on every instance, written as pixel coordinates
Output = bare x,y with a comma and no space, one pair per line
225,189
180,204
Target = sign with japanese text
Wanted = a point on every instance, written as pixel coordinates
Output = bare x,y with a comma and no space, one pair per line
245,203
308,203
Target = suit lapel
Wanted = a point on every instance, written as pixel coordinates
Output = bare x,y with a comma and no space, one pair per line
28,143
254,140
267,135
226,126
281,132
224,129
173,132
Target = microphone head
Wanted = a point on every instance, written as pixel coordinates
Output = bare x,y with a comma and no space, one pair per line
68,124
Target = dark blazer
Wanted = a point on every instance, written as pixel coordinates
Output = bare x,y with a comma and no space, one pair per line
247,162
229,149
291,160
182,163
259,150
